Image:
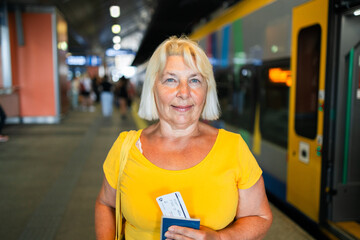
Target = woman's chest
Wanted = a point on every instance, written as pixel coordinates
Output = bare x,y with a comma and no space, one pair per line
209,192
176,156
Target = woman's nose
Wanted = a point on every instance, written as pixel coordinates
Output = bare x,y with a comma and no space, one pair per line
184,90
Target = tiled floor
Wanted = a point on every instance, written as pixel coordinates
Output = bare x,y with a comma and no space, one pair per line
50,176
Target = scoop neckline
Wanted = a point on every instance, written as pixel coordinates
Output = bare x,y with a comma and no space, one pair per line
200,164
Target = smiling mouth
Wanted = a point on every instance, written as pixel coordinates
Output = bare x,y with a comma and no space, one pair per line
182,108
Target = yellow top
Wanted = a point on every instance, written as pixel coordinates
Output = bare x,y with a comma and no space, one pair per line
209,189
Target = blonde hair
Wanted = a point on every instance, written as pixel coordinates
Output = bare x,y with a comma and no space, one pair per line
195,58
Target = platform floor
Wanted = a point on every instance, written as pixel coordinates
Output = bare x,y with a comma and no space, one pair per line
50,176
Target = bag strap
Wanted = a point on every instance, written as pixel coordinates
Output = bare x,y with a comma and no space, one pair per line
129,140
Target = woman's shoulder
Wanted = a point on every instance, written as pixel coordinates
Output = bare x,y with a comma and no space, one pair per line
123,134
120,139
229,139
222,137
229,135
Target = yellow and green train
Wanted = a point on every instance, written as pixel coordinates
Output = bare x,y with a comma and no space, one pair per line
288,80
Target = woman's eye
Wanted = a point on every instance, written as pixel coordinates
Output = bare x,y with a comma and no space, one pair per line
170,80
194,81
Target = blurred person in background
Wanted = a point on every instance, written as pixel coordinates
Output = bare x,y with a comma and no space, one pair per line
131,90
122,96
106,97
96,81
75,89
85,92
3,138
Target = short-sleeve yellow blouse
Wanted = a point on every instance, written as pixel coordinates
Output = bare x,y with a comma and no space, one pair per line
209,189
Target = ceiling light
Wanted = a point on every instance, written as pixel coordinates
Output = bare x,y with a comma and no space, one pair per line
115,11
116,39
357,12
117,46
116,28
63,45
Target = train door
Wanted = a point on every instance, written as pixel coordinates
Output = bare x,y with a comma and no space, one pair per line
308,51
343,209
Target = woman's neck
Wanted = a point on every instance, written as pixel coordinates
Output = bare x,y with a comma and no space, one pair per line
169,131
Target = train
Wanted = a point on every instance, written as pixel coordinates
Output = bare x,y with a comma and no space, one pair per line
288,81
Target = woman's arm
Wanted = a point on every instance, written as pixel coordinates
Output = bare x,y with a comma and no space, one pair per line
253,219
105,212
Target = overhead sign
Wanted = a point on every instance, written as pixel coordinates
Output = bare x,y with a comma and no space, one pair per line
76,60
93,61
112,52
83,61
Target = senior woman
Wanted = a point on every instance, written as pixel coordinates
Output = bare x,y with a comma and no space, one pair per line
213,169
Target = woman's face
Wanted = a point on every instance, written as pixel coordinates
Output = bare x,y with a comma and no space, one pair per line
180,93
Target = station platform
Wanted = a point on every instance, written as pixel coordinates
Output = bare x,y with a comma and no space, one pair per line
50,176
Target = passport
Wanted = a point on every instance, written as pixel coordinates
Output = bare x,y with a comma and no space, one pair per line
167,222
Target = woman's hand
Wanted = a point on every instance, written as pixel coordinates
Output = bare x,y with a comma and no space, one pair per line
184,233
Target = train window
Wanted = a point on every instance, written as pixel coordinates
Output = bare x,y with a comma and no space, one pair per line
276,80
244,97
237,94
241,112
307,81
224,79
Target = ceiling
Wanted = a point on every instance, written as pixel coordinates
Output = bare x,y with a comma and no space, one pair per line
89,21
176,17
144,23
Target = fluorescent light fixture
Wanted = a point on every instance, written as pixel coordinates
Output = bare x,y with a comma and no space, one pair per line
117,46
115,11
76,60
116,39
116,28
111,52
357,12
